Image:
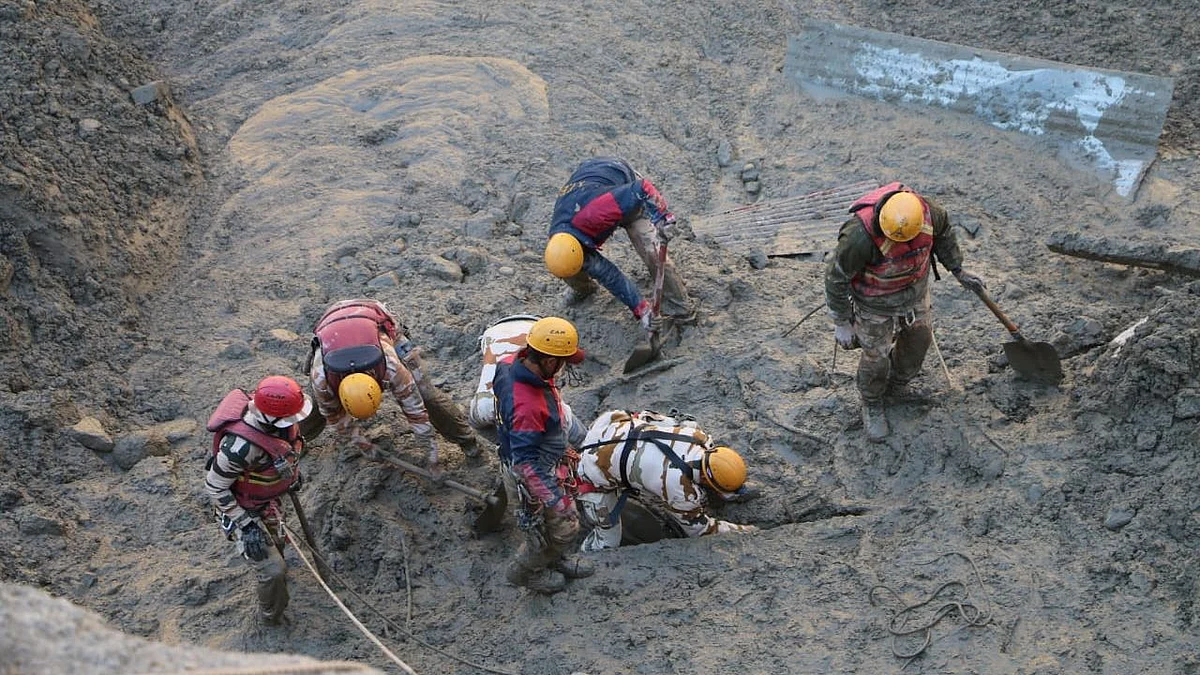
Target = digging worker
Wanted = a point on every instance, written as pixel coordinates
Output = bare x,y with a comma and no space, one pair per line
358,349
877,290
654,458
603,194
536,431
254,461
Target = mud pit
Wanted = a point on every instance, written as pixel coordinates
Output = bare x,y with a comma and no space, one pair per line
412,154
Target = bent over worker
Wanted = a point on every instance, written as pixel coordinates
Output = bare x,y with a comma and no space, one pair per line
877,290
603,194
254,461
658,459
536,431
359,348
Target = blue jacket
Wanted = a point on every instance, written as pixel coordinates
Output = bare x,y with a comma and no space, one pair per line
532,428
603,194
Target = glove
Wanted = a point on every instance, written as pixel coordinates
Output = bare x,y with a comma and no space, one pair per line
298,484
253,542
364,444
668,229
843,333
431,461
651,322
969,281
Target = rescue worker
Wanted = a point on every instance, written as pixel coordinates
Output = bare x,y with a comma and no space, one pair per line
877,290
603,194
358,349
254,461
506,336
536,431
657,459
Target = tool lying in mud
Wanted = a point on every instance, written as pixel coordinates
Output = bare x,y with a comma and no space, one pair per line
648,351
1037,361
494,505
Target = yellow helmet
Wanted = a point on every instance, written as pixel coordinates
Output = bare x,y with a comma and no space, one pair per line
902,216
723,469
360,395
564,255
553,336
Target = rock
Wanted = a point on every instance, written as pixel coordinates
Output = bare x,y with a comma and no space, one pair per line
32,524
1146,441
236,351
479,228
284,335
1081,334
1187,404
176,430
440,268
1117,518
91,435
471,260
388,279
149,93
749,172
758,260
399,246
753,187
506,271
724,154
88,126
137,446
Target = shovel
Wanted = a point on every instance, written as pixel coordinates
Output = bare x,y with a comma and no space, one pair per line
648,351
1037,361
494,505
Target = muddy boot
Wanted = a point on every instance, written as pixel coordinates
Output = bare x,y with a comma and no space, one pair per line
545,581
875,421
471,448
575,566
572,297
910,390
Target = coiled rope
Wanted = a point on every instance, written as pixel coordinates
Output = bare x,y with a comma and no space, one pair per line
901,624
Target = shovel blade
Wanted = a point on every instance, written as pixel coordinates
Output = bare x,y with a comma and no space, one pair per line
1036,361
494,510
643,354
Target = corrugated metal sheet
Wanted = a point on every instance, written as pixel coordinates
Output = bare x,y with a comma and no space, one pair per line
789,226
1109,120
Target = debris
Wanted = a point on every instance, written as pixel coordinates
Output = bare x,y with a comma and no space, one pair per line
1117,518
149,93
1182,260
1109,120
91,435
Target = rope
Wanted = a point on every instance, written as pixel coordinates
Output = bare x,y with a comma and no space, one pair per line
900,626
454,657
814,311
286,669
370,636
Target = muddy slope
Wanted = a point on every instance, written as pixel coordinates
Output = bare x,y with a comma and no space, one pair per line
412,154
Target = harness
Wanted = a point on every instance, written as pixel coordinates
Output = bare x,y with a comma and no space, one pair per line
658,437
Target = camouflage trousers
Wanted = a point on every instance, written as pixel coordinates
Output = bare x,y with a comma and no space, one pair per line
893,348
271,574
549,533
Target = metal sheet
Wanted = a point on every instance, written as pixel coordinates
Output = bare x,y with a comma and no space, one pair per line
1107,120
790,226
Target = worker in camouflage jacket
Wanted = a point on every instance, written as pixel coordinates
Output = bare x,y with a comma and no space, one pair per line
255,461
877,290
359,349
656,459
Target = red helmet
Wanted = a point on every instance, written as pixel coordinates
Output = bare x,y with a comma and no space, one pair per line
280,401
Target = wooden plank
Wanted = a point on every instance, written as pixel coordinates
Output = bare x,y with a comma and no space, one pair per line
1178,259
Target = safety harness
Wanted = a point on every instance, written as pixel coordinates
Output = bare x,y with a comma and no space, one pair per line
642,432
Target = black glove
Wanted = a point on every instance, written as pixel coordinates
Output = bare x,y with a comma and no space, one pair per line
253,542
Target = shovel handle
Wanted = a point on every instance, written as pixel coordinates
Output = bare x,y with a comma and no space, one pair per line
991,304
453,485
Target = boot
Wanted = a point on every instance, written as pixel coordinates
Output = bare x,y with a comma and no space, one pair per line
471,448
910,390
875,421
575,566
572,297
544,581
